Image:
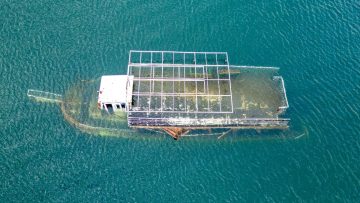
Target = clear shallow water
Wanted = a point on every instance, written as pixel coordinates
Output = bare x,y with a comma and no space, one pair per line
50,46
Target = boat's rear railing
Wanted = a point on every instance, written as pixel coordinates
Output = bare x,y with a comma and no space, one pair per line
285,103
280,86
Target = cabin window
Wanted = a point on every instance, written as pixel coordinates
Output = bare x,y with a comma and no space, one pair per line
108,106
117,106
123,105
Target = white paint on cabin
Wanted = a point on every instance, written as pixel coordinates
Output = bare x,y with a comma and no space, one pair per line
113,92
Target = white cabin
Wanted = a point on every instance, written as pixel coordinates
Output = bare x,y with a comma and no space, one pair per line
113,92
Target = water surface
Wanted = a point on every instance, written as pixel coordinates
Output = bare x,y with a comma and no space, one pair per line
51,45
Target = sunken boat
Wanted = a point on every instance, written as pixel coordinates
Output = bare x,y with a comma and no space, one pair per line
177,93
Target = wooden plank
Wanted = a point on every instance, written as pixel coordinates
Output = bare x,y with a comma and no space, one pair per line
175,132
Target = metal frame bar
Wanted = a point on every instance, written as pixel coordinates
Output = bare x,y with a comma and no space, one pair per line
138,98
151,83
168,65
173,59
203,69
162,82
218,77
180,52
207,83
196,88
255,67
170,79
179,94
228,67
179,79
238,119
184,81
204,112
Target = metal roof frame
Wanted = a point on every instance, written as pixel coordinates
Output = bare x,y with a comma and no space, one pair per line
151,69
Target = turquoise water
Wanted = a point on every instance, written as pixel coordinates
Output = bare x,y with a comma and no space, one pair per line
52,45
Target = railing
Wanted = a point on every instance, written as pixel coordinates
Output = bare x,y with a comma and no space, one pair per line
255,67
44,96
285,103
206,123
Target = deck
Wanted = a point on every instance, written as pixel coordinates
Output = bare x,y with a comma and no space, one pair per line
201,90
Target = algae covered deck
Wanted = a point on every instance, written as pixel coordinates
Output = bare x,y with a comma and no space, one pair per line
257,94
